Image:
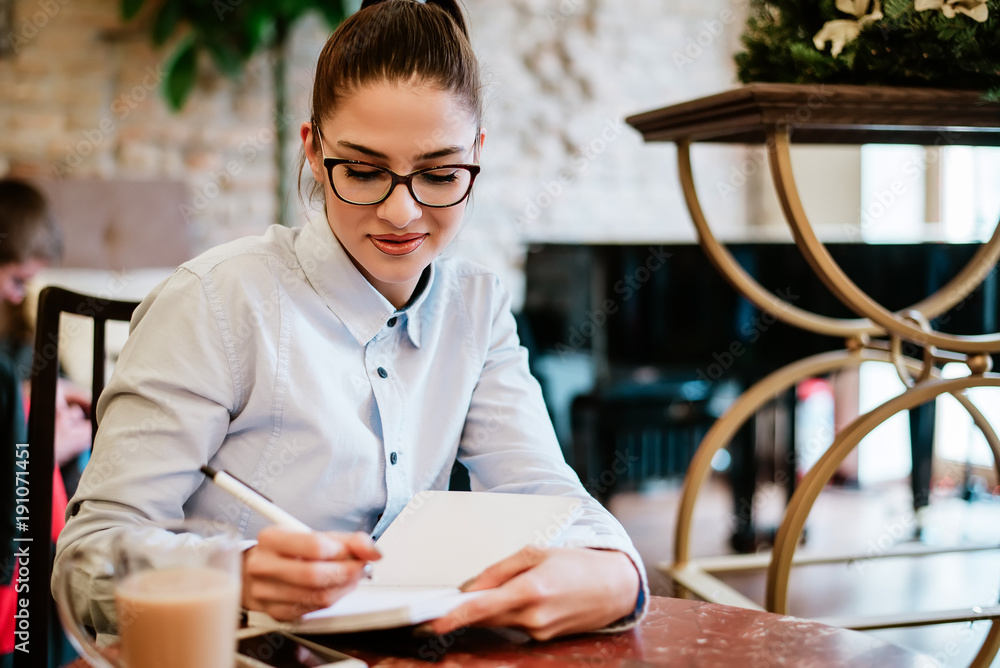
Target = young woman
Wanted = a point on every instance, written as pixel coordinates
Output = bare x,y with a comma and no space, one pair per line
342,367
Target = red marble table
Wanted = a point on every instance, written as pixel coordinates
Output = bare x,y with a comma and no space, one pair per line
676,632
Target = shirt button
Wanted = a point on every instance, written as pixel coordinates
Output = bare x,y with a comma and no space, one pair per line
392,321
392,458
382,372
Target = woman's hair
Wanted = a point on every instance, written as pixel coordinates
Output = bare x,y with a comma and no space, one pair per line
396,41
27,231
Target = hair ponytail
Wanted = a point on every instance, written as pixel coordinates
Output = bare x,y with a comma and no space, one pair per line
451,7
454,11
396,41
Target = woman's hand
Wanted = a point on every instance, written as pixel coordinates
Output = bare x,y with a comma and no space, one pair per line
73,428
550,592
289,573
73,395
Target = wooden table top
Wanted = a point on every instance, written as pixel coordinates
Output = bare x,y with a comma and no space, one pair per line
676,632
824,113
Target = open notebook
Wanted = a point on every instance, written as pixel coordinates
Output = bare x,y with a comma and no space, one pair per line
440,540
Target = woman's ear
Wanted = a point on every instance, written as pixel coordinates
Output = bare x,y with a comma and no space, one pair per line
314,159
482,138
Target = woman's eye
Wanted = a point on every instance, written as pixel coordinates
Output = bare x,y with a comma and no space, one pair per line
440,178
364,174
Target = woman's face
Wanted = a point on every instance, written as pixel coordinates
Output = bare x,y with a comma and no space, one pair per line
402,128
14,277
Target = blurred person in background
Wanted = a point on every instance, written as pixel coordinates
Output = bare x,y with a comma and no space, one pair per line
30,241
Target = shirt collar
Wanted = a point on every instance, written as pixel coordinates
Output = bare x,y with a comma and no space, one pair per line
345,290
412,309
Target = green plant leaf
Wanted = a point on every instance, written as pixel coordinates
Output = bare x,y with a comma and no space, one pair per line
130,8
181,73
260,29
166,21
333,12
229,61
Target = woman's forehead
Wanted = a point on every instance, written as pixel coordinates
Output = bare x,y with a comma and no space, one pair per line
419,116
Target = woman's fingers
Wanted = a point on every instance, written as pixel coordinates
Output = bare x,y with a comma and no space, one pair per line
507,597
289,573
314,574
360,545
318,545
551,592
504,570
294,601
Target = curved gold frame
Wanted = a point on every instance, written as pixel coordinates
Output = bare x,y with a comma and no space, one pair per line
908,324
756,397
974,272
749,402
952,293
790,530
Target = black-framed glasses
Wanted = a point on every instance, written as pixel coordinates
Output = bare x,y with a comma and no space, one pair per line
358,182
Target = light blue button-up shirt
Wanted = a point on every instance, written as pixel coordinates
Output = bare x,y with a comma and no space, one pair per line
273,358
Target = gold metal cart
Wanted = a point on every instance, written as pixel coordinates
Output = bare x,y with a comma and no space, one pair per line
775,115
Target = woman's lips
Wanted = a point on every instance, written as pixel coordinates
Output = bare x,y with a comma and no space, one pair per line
397,244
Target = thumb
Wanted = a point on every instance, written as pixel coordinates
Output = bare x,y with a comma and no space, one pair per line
506,569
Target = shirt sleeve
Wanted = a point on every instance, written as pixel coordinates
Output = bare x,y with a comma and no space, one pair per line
164,413
509,445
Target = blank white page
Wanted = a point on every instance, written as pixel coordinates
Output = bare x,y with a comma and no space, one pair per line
446,538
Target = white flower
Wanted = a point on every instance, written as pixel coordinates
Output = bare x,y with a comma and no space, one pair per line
838,33
976,9
842,31
856,8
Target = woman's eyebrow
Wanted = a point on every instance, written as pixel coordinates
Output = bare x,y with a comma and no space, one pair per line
432,155
442,152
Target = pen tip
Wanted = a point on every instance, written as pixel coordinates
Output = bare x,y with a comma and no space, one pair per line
208,470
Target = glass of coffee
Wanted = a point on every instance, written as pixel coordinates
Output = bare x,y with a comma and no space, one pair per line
176,591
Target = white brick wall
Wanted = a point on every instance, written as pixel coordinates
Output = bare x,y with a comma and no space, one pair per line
81,98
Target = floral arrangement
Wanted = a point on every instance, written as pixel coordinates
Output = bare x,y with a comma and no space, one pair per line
934,43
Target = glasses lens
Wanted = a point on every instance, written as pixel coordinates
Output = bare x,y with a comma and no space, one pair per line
442,187
360,184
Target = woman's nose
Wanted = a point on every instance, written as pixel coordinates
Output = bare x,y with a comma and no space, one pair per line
399,209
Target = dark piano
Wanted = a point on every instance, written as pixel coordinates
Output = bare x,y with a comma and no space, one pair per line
665,335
